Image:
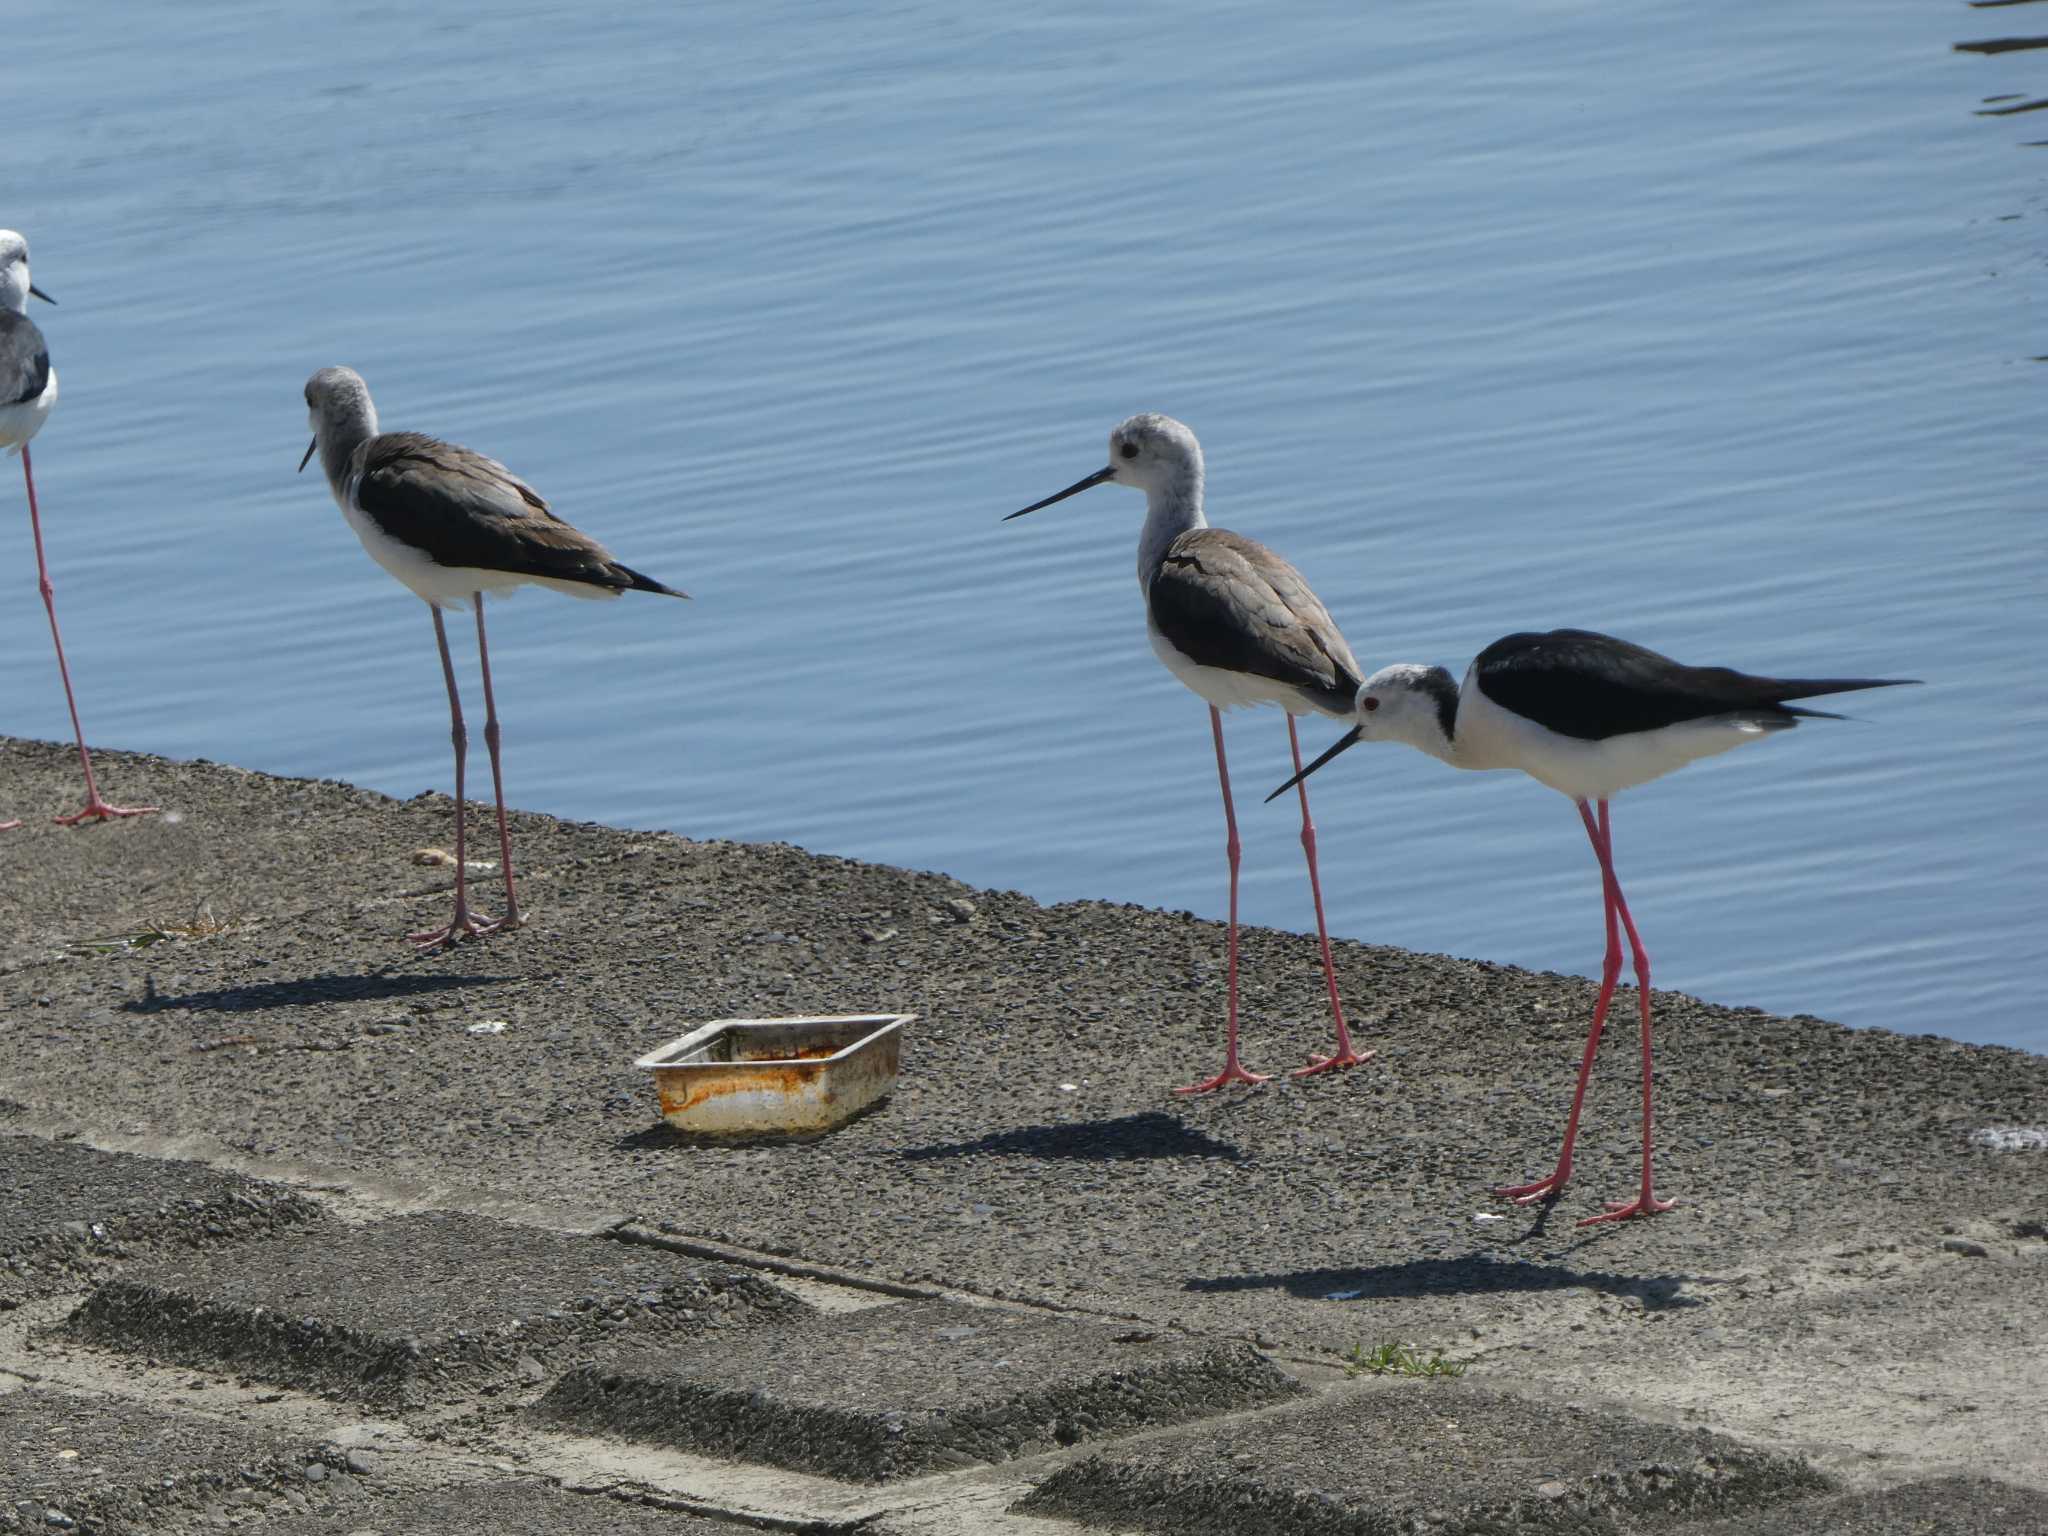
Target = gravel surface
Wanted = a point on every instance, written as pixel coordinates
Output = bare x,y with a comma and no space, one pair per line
916,1387
1850,1264
421,1306
104,1468
69,1214
1420,1455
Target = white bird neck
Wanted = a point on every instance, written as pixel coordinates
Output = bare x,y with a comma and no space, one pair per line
1424,734
344,427
14,287
1172,507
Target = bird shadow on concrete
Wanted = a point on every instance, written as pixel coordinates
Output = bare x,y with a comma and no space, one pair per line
299,991
1475,1274
1127,1138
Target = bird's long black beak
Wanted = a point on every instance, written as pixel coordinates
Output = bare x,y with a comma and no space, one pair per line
1347,740
38,293
309,454
1107,472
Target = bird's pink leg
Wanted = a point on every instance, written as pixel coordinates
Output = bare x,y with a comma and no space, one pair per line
1232,1071
483,656
462,925
96,808
1610,972
1344,1055
1645,1203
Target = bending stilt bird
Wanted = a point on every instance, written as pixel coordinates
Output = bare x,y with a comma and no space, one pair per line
1589,716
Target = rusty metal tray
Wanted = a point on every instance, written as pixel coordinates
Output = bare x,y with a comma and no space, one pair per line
776,1077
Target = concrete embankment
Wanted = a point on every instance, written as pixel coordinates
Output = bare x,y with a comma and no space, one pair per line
268,1205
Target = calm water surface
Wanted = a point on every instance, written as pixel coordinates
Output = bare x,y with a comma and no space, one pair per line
1714,331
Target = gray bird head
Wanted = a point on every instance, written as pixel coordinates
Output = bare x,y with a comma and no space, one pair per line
340,412
1148,451
15,287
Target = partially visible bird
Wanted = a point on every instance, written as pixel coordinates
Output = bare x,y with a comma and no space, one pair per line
1589,716
1238,625
28,390
452,525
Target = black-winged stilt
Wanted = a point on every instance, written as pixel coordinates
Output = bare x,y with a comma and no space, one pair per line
1238,625
28,389
1589,716
452,525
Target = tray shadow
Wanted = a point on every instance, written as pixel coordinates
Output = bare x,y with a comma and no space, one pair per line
1127,1138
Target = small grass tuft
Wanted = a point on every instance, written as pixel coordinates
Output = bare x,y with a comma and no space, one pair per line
203,925
1396,1359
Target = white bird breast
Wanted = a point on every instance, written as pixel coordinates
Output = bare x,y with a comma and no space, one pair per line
1229,690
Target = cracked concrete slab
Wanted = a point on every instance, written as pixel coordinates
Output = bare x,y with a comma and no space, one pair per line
103,1467
420,1307
70,1214
1946,1506
522,1508
1421,1454
916,1387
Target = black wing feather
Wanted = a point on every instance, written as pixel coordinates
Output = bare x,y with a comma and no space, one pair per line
24,359
1591,686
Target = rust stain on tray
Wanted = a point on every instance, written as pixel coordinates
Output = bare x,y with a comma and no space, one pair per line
678,1097
756,1077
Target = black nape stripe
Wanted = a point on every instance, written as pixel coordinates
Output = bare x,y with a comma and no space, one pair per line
1442,689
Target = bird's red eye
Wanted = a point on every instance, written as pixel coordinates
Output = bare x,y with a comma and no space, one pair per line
1370,704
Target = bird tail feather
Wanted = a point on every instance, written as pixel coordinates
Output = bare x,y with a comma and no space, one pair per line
1786,688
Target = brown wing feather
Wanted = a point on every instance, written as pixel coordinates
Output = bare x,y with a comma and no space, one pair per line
464,510
1229,602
